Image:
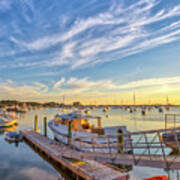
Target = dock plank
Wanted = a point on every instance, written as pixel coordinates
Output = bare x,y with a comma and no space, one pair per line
138,159
87,169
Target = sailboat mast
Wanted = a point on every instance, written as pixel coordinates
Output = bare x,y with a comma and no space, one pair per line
167,100
134,99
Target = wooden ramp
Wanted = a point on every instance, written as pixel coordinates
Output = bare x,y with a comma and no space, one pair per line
70,159
146,148
157,161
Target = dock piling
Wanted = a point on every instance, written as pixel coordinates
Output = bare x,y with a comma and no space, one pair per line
45,126
35,123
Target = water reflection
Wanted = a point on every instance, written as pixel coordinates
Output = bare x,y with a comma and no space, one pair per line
22,163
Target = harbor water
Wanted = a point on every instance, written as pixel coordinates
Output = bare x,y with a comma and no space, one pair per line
20,162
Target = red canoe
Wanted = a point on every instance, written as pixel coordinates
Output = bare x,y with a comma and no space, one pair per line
157,178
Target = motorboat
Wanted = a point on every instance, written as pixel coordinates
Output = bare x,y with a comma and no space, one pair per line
16,109
76,128
143,112
87,111
171,139
106,109
7,121
13,137
161,110
8,129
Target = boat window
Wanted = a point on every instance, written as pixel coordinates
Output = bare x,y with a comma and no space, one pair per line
58,120
64,121
85,124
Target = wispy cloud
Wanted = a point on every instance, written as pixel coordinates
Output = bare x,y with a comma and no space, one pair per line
83,87
86,84
12,89
120,30
63,40
127,33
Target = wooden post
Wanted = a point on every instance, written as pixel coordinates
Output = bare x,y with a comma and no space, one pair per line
174,120
165,121
162,148
93,144
109,146
69,132
35,123
120,141
147,145
99,123
45,126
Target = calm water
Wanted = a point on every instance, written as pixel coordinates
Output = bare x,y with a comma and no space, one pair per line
21,163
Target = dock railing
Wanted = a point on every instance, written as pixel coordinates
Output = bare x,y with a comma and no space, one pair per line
152,146
171,120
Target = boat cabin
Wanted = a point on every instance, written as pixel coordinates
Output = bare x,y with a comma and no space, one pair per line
80,122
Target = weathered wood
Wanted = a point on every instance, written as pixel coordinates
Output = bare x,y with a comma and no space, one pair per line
62,154
45,126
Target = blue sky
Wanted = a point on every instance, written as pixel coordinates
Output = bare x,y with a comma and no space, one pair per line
84,48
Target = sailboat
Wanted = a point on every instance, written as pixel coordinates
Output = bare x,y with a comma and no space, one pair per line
143,111
106,109
134,99
161,110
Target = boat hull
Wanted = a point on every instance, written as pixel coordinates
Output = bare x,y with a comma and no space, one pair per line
93,143
8,124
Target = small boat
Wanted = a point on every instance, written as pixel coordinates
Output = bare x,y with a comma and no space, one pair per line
150,108
161,110
13,137
167,108
87,111
157,178
76,125
8,129
106,109
7,121
131,110
171,140
93,107
135,109
16,109
171,136
63,110
143,112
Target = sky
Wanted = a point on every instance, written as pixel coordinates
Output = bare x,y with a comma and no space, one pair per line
98,51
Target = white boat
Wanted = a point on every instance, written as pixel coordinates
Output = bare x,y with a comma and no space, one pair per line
74,128
7,121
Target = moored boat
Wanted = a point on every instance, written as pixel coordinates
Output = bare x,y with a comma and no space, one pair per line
157,178
76,125
172,140
13,137
7,121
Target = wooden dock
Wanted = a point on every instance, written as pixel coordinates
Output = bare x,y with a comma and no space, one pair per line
146,148
71,160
